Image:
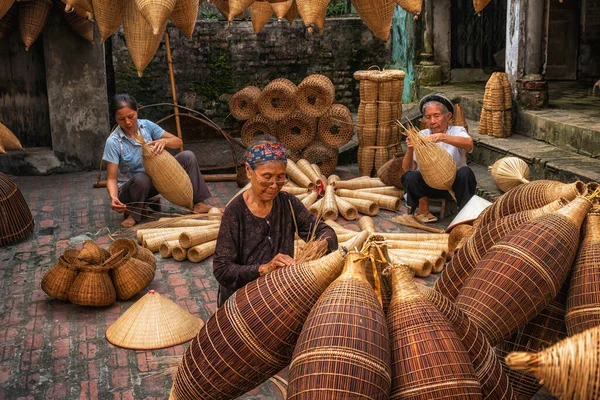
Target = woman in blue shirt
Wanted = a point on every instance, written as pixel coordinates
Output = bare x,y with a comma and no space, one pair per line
127,181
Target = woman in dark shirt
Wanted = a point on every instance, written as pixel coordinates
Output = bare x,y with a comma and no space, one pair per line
257,228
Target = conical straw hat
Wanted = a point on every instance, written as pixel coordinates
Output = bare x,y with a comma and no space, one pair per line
153,322
469,212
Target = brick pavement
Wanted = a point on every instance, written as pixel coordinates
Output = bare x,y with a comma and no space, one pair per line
54,350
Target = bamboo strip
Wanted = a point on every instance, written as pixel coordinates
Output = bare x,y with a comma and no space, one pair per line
363,206
202,251
363,182
191,239
386,202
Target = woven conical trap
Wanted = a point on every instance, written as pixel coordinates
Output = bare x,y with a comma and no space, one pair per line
153,322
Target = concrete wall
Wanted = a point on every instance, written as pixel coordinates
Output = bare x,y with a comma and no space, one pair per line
222,59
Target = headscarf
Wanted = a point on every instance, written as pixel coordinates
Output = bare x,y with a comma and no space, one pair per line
438,98
263,152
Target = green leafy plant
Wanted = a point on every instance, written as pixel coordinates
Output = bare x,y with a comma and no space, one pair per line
337,7
208,15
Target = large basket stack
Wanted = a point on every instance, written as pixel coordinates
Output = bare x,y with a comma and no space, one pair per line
380,106
302,117
496,114
94,276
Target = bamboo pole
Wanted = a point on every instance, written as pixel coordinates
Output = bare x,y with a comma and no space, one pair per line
173,88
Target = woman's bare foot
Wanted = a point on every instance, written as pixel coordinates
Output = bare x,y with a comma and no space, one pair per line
128,222
201,208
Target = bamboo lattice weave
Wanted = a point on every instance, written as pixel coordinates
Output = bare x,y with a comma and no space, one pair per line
16,221
521,274
278,99
5,5
252,336
243,104
343,350
184,16
8,23
376,15
58,280
315,95
325,157
92,287
142,43
156,12
32,19
429,360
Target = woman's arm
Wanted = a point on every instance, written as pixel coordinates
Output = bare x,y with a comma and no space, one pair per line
462,142
408,164
112,172
167,140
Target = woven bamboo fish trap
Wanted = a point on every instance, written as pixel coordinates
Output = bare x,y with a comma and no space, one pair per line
569,369
202,251
294,190
242,344
109,16
190,239
296,175
386,202
495,114
237,7
222,6
130,247
292,12
184,16
8,23
366,223
458,236
130,275
543,331
459,117
256,126
153,322
58,280
5,6
509,172
436,165
179,253
583,303
480,5
308,199
293,155
313,12
494,381
316,208
507,104
366,160
376,15
363,206
166,248
168,176
529,196
476,247
309,171
380,282
281,8
91,253
411,6
156,13
522,273
429,360
336,127
325,157
420,262
382,155
139,35
32,19
260,14
391,172
315,94
81,25
387,190
297,131
278,99
345,339
243,104
92,287
347,210
85,5
16,221
317,169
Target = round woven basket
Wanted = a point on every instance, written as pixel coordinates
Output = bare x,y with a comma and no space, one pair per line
336,127
391,172
129,274
278,99
131,247
93,287
91,253
315,95
142,43
16,221
297,131
243,104
325,157
58,280
32,19
184,16
258,125
366,160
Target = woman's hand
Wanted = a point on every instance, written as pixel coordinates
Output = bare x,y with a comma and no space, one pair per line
116,205
158,145
409,143
280,260
435,137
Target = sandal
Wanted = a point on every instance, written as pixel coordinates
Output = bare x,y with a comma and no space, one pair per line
424,219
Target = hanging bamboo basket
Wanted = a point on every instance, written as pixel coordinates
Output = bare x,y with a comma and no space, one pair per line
8,23
32,19
142,42
8,139
292,12
237,7
411,6
109,16
184,16
313,12
479,5
243,104
260,14
281,8
376,15
156,13
5,6
81,25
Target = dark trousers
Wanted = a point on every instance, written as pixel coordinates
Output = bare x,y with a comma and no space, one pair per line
139,188
464,187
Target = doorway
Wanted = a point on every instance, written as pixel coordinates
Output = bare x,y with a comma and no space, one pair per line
563,40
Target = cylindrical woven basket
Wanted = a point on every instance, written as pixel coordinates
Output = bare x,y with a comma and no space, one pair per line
315,94
429,361
387,190
256,126
243,344
523,272
16,221
344,339
347,210
295,190
184,16
91,253
32,19
325,157
336,127
297,131
381,157
510,172
507,104
81,25
310,172
278,99
166,248
309,200
391,172
475,248
191,239
363,206
142,43
366,224
330,208
130,275
168,177
459,117
366,160
296,175
376,15
385,202
58,280
202,251
92,287
156,13
243,104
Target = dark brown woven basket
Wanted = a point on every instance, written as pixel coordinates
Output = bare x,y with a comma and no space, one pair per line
129,274
258,125
8,23
16,221
429,360
58,280
583,303
391,172
325,157
252,336
315,95
293,155
343,350
32,19
529,196
336,127
278,99
92,254
243,104
522,273
93,287
475,248
494,381
297,131
366,160
130,246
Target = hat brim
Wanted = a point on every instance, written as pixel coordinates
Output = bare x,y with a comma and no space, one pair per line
439,98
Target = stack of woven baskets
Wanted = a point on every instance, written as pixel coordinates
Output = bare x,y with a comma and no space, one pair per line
94,276
302,117
496,114
380,106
